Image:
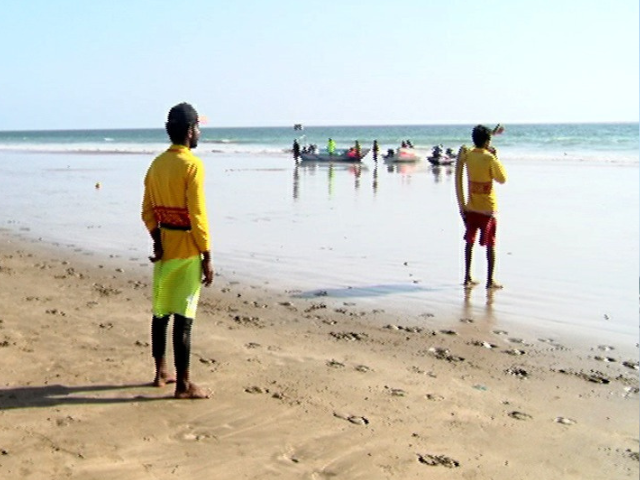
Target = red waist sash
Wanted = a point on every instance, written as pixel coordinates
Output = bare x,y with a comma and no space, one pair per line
172,218
480,187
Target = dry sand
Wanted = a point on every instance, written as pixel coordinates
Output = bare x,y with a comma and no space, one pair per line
302,388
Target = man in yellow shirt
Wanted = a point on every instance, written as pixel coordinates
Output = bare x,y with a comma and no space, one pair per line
174,211
479,210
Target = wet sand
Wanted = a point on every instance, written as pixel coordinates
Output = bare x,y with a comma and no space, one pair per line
384,236
303,386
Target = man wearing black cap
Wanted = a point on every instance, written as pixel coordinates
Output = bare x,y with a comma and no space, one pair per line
174,211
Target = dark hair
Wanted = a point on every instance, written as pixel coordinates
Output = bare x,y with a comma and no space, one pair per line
180,119
480,135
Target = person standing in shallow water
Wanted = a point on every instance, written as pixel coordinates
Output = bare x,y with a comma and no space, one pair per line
296,150
174,212
331,146
479,210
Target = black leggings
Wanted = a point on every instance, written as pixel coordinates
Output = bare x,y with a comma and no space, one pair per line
181,339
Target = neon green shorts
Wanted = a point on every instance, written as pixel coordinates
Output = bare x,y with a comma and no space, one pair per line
176,286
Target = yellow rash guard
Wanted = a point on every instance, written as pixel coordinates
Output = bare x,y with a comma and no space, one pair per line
483,168
174,197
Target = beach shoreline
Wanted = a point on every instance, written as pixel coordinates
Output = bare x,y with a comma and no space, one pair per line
302,387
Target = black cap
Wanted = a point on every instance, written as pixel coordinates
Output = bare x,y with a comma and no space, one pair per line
183,114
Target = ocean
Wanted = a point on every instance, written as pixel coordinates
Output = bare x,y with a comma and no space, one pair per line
610,141
376,235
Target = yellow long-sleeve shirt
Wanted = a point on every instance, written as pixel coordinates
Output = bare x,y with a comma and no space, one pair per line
483,167
174,196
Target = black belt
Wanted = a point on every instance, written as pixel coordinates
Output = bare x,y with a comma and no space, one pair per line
168,226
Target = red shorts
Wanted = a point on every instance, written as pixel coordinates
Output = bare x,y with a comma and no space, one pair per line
487,225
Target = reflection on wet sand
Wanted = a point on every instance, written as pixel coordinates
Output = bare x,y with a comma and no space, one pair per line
438,171
312,168
375,179
357,169
296,181
483,317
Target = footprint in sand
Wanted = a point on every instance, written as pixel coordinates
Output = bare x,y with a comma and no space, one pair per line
315,306
248,321
448,332
355,419
604,359
606,348
517,372
335,364
434,397
565,421
515,352
445,354
208,361
438,460
480,343
351,336
594,377
396,392
65,421
632,455
256,389
6,270
195,437
404,329
520,415
105,291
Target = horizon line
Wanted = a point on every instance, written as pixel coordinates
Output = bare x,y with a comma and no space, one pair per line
588,122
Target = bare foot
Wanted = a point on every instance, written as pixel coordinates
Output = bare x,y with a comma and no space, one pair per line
163,379
470,283
494,286
192,392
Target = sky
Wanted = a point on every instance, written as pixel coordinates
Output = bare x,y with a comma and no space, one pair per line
84,64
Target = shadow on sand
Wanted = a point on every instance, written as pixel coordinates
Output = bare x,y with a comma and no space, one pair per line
55,395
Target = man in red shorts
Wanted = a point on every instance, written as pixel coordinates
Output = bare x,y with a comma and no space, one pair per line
479,210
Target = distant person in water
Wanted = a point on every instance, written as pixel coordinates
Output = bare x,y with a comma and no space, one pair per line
376,149
479,210
296,150
331,146
174,211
